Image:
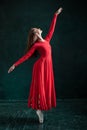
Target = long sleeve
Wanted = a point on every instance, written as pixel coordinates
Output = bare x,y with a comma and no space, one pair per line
52,27
26,56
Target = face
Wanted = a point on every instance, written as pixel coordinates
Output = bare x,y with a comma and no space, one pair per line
40,31
37,30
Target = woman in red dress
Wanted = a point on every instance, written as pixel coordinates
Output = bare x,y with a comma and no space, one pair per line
42,90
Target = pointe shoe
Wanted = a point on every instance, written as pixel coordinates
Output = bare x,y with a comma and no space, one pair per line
40,115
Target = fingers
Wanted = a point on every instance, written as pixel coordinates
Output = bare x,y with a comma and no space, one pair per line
59,10
11,69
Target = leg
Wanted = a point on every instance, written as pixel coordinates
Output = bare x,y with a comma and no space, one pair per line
40,115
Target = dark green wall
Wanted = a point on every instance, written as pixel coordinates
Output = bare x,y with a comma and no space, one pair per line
69,44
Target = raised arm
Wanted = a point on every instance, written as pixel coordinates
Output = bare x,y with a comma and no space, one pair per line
23,58
52,25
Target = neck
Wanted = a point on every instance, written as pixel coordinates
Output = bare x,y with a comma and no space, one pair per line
40,38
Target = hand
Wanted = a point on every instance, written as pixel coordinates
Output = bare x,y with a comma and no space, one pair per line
59,10
11,68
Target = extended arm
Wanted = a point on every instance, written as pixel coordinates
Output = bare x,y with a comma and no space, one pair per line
52,26
23,58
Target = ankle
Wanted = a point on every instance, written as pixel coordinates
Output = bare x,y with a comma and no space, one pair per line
38,110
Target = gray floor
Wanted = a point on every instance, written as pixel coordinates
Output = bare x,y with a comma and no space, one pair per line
68,115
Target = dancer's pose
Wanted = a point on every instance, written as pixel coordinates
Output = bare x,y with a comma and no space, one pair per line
42,90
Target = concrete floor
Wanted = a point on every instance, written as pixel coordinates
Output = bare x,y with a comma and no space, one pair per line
70,114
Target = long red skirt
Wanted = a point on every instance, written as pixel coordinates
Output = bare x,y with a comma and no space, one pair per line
42,94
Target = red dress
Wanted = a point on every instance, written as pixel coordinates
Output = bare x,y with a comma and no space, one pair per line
42,93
